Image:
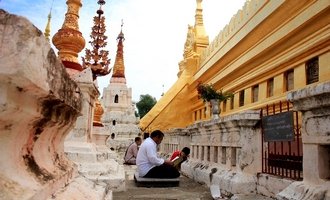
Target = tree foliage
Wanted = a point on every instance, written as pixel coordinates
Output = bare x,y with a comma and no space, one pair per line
145,104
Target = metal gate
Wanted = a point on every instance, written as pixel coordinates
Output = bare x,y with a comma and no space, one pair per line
283,158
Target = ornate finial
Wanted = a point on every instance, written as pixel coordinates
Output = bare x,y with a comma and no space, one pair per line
47,29
121,34
101,2
69,40
199,14
201,38
119,68
97,59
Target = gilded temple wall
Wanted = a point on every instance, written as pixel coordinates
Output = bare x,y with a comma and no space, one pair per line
271,51
263,41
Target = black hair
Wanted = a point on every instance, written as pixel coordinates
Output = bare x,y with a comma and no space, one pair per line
145,135
186,150
137,139
156,133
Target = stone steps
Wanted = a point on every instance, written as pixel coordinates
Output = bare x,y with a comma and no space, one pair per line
99,167
82,189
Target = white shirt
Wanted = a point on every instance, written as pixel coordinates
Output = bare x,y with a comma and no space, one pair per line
147,157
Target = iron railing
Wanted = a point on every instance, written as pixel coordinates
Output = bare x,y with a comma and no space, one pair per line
283,158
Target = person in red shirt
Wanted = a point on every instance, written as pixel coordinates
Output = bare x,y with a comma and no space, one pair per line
184,153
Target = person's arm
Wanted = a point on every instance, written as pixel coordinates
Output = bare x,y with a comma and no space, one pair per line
135,151
152,157
128,153
175,154
168,162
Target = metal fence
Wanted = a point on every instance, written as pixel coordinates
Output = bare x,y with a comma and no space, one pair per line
283,158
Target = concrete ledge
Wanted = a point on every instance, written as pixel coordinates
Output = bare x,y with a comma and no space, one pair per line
155,182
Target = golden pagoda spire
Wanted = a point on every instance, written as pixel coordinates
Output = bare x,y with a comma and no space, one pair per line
196,43
69,40
119,68
199,24
201,40
47,29
97,59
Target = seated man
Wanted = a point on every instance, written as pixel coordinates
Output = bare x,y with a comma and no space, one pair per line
149,164
180,156
131,152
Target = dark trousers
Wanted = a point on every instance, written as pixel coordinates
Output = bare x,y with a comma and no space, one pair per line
163,171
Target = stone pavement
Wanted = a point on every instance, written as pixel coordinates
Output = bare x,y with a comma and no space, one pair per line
187,190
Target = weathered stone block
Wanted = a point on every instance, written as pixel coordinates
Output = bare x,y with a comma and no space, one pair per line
270,185
39,105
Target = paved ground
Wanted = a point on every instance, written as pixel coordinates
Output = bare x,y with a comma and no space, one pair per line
187,190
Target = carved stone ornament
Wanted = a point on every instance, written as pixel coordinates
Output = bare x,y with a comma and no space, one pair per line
98,112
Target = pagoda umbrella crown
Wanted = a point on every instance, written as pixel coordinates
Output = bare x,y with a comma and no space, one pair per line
97,58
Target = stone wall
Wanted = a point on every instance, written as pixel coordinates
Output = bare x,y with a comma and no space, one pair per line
39,105
231,141
228,149
226,152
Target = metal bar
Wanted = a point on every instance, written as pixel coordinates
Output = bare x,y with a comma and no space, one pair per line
262,143
282,152
264,158
286,170
282,149
298,139
298,133
294,171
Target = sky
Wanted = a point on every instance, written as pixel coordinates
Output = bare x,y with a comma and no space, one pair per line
155,32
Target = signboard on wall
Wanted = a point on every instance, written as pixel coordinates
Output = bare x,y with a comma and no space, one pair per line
278,127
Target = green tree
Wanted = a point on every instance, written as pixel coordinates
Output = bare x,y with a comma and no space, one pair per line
145,104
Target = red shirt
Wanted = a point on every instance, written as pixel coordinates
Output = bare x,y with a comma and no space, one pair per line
175,154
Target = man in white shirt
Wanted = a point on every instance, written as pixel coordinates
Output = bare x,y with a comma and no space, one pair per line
131,152
149,164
